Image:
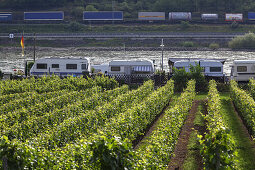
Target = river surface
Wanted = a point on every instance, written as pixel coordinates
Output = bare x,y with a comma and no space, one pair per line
10,58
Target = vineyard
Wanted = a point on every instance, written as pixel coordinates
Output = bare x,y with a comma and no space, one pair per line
93,123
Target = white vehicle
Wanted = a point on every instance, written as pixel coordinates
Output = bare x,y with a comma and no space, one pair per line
243,70
126,67
179,15
211,68
206,17
234,17
60,66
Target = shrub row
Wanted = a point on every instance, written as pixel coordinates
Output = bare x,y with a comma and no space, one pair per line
217,146
245,105
54,83
36,123
160,145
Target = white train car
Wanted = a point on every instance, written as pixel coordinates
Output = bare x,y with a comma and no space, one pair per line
207,17
242,70
61,66
180,16
234,17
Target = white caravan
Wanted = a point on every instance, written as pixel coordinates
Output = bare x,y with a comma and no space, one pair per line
61,66
126,67
211,68
243,70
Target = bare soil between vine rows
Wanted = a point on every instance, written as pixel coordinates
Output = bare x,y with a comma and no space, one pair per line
181,148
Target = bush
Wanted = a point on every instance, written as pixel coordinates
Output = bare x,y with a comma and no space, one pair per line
234,25
184,25
188,44
214,46
246,41
75,26
1,74
181,78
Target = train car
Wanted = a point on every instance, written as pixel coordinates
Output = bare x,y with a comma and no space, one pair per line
46,15
102,15
251,16
5,16
234,17
209,17
151,16
61,66
180,16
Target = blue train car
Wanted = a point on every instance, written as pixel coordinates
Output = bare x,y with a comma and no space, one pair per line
103,15
251,16
5,16
50,15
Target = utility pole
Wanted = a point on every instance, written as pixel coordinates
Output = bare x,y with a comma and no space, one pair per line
34,47
162,48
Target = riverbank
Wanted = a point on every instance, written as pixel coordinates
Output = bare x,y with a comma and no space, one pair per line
38,49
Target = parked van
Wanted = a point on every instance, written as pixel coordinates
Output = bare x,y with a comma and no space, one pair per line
243,70
60,66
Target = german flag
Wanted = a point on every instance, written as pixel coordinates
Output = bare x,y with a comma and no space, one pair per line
22,42
22,45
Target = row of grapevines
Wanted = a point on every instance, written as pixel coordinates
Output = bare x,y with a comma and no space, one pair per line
54,83
133,122
10,97
245,105
87,122
31,153
35,124
252,87
39,103
160,145
217,146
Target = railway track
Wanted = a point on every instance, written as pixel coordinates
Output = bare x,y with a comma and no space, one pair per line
128,35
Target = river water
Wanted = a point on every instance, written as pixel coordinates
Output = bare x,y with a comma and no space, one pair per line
10,58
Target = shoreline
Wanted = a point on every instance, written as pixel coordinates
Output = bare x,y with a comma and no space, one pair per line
126,49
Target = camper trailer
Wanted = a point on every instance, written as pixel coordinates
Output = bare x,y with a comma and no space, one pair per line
211,68
125,67
243,70
135,67
61,66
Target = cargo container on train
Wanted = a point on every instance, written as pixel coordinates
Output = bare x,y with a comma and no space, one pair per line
45,15
251,16
234,17
151,16
5,16
102,15
179,15
206,17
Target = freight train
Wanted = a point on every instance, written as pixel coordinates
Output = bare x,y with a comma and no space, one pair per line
102,16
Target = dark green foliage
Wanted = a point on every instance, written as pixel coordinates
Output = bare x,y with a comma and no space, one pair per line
234,25
111,152
75,26
181,78
246,41
184,25
1,74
